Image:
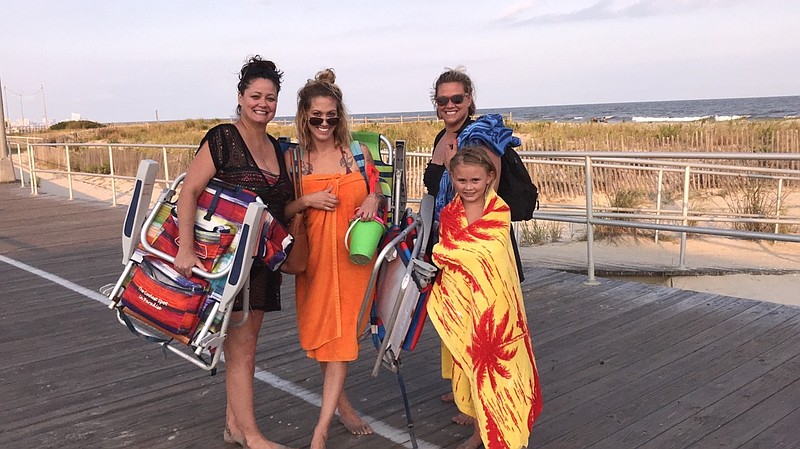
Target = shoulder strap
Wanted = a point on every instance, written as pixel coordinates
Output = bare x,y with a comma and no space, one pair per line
358,156
355,148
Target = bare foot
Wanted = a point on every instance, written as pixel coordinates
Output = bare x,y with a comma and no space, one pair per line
355,424
232,438
318,440
474,442
251,443
462,419
448,397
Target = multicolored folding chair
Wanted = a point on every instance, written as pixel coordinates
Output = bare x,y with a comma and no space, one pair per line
390,162
188,316
394,302
382,153
398,288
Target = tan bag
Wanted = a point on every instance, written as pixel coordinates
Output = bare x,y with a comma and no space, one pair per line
297,260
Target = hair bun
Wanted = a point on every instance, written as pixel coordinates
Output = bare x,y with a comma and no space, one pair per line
269,65
258,63
326,76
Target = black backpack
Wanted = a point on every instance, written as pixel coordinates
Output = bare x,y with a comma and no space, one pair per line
516,187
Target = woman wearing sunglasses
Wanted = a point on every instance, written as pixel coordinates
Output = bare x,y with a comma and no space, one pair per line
453,98
330,291
242,154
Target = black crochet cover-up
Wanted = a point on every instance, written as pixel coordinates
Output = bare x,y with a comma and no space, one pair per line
236,165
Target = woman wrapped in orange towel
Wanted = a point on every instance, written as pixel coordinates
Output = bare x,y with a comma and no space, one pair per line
476,306
330,291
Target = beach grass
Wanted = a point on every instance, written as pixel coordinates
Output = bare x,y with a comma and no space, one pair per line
554,181
733,135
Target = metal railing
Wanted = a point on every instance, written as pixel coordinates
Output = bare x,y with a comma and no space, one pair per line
657,218
165,168
664,162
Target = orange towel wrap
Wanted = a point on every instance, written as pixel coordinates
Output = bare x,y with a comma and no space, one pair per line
330,292
476,306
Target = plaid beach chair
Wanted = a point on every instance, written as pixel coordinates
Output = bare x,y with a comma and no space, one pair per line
190,316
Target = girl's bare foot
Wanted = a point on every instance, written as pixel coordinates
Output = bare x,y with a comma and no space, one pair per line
462,419
448,397
474,442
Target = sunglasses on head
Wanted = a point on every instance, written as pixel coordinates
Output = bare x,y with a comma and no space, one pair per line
316,121
456,99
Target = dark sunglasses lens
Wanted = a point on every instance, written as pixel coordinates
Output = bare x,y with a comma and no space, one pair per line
316,121
456,99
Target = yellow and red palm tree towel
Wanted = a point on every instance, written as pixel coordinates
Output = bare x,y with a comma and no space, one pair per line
476,306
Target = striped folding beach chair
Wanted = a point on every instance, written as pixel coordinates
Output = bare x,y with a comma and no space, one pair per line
189,316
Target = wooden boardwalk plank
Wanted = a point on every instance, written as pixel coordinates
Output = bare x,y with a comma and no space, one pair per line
622,365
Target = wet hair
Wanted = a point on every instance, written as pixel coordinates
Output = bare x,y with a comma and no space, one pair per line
256,68
474,155
456,75
323,85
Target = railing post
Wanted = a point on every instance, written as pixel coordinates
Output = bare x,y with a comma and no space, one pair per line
32,170
19,159
658,199
778,204
685,212
113,178
166,165
69,174
589,226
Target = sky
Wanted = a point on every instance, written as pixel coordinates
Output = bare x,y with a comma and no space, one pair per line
121,61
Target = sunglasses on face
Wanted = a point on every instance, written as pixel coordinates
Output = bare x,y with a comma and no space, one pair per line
456,99
316,121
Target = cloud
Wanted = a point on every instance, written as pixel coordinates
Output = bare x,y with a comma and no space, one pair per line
516,9
610,9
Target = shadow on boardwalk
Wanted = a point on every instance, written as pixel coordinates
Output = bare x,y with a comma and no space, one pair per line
622,364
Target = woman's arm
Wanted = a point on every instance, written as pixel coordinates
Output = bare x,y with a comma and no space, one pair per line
200,172
323,199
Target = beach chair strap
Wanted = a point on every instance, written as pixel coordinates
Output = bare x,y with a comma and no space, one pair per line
213,207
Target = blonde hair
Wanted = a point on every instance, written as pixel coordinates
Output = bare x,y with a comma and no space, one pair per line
473,155
323,85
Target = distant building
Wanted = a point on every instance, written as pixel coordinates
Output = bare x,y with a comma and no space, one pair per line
75,117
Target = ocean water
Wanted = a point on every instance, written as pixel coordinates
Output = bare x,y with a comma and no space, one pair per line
755,108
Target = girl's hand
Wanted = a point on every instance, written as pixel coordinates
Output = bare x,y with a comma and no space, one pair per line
323,200
369,208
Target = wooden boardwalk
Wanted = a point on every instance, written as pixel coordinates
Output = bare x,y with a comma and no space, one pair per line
622,365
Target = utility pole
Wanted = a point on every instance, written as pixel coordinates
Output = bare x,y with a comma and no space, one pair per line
6,167
5,103
21,110
44,105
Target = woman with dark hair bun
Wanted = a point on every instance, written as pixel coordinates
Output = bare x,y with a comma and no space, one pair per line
242,154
